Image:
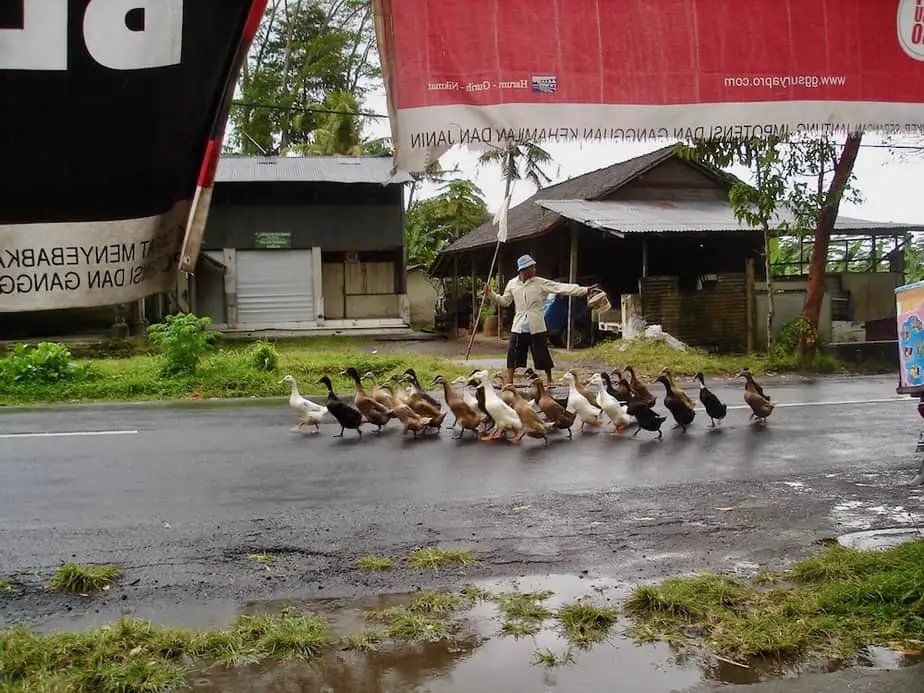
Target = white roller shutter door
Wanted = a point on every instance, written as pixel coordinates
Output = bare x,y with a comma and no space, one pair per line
275,287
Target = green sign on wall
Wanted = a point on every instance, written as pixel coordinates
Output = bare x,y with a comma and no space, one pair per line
272,241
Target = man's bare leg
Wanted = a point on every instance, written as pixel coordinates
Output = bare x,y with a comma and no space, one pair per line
510,376
548,376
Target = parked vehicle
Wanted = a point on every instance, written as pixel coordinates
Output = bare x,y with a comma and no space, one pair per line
583,329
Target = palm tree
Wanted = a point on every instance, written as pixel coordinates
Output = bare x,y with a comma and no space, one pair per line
520,160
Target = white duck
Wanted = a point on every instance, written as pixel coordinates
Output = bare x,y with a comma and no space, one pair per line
577,403
505,417
308,411
613,408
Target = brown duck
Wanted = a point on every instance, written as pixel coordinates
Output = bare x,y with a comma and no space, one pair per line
533,425
761,406
676,391
380,393
467,418
640,392
555,412
376,413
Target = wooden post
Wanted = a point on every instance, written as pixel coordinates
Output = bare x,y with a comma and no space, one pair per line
644,257
475,315
572,277
455,296
749,301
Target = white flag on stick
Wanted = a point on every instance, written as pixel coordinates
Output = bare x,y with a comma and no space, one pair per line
501,220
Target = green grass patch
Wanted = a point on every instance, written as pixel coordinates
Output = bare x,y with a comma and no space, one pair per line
436,603
134,656
366,640
266,559
373,564
520,629
475,594
404,625
6,586
550,659
584,624
434,558
649,356
523,606
84,579
835,604
231,370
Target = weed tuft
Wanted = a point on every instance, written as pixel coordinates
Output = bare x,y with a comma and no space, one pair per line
584,623
523,606
366,640
550,660
406,626
475,594
434,558
375,564
266,559
519,629
6,586
439,603
84,579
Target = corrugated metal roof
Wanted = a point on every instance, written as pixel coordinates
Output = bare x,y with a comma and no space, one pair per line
665,216
308,169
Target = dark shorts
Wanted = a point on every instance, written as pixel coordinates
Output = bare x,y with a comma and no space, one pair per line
538,344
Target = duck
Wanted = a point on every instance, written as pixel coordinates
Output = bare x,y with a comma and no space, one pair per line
480,400
533,425
469,398
555,412
504,416
380,393
347,416
533,377
638,389
411,375
582,387
308,412
423,404
716,409
622,391
682,414
647,418
376,413
757,388
468,418
578,403
677,391
609,404
761,406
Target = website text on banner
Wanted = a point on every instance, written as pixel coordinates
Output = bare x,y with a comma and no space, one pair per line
110,108
482,72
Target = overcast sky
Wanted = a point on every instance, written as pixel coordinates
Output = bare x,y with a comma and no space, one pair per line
891,185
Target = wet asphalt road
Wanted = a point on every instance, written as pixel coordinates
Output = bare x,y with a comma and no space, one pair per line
181,495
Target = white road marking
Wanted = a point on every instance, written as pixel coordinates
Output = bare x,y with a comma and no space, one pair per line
69,433
831,404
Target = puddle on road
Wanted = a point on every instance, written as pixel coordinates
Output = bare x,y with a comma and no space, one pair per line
879,539
480,658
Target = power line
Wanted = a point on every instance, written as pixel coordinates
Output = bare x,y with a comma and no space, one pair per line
367,114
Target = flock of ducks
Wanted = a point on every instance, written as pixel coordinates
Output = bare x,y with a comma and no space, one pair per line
492,412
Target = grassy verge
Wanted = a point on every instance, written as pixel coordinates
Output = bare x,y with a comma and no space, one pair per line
228,372
832,605
649,356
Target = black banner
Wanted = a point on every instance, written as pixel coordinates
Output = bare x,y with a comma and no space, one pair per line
108,109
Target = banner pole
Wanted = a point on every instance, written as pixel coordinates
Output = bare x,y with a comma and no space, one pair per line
484,295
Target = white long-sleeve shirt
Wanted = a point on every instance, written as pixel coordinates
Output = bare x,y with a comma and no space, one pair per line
529,300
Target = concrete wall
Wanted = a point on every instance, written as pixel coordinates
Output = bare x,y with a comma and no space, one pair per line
788,300
712,317
872,296
422,296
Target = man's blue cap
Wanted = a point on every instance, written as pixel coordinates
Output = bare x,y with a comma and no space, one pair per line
524,261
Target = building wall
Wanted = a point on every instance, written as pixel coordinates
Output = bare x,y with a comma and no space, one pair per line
422,297
672,180
713,317
872,295
788,300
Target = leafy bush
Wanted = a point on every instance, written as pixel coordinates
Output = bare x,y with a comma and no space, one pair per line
45,364
786,342
264,356
184,339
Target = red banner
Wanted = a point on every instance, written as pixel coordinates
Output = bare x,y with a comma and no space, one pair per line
482,72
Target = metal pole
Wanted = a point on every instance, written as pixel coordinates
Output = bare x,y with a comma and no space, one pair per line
572,277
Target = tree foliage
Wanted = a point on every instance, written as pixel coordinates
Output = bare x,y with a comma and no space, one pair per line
520,160
437,221
307,57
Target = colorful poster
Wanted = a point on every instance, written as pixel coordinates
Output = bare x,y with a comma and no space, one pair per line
113,115
910,303
483,72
